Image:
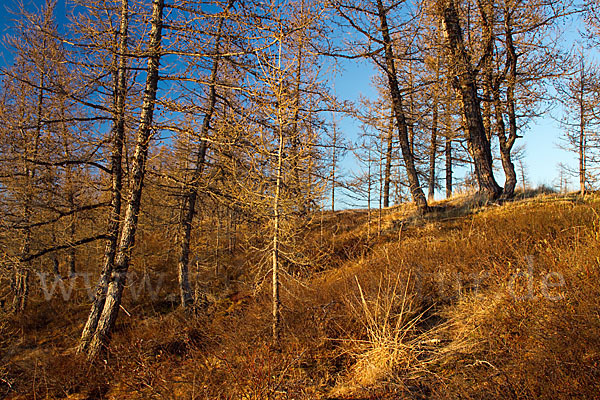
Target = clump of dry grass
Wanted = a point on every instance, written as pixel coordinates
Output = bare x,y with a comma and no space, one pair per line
393,350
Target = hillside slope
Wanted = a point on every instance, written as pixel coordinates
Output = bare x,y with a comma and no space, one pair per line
469,302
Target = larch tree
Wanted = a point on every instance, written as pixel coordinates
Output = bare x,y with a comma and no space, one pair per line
579,97
116,284
119,70
519,57
463,74
371,20
191,188
44,141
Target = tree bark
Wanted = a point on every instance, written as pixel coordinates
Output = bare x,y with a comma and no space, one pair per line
394,87
118,276
467,90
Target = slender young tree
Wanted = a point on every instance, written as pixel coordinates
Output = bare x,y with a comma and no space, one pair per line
580,98
191,191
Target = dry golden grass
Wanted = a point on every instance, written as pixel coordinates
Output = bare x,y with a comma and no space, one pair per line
473,301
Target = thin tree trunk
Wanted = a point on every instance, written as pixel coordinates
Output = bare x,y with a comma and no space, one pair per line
433,141
218,244
119,274
394,87
582,134
369,161
486,10
22,270
70,189
448,155
72,224
191,197
333,166
467,89
522,168
388,162
114,217
276,328
379,211
276,300
506,145
295,137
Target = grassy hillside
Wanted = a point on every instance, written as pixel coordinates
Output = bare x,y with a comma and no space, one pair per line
468,302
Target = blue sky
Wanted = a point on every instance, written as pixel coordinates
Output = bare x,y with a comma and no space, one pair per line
540,139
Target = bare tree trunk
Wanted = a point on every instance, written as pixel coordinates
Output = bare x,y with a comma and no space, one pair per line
72,224
369,161
55,262
191,197
523,179
582,137
394,87
333,166
126,242
114,216
379,210
388,162
448,154
276,329
22,269
486,10
433,146
218,244
295,137
467,89
506,145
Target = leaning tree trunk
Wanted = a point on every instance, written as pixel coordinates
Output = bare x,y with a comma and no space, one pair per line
118,276
191,196
114,217
394,87
467,90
